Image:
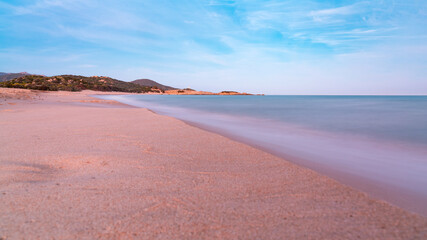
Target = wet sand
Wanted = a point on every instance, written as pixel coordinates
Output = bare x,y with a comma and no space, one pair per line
77,167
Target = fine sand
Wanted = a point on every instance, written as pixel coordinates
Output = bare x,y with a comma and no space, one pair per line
76,167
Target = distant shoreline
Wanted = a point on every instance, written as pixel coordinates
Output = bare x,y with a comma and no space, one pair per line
76,83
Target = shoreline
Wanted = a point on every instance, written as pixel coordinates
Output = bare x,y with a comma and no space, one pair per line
380,191
399,196
74,167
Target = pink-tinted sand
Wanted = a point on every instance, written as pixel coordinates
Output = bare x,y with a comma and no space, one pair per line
76,167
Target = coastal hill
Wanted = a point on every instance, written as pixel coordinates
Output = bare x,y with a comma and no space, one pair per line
151,83
96,83
75,83
9,76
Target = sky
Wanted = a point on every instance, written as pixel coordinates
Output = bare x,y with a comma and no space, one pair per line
271,46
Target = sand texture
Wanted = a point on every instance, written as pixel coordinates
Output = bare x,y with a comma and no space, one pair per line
76,167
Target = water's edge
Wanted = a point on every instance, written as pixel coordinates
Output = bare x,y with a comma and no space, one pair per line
395,194
399,197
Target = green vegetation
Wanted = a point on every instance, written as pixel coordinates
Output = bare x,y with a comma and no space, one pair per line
74,83
151,83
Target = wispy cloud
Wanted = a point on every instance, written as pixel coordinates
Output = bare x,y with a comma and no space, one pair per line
39,6
222,38
331,14
221,2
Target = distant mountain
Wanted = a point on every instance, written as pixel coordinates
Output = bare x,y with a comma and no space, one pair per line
75,83
9,76
151,83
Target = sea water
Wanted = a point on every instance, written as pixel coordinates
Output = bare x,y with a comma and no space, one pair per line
377,144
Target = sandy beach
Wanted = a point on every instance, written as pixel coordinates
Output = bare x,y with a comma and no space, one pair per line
77,167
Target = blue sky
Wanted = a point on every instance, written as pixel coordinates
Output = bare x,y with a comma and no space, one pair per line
273,47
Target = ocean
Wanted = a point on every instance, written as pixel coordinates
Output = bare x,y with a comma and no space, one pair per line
377,144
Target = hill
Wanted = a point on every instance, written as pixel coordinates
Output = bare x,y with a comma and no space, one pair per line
151,83
74,83
9,76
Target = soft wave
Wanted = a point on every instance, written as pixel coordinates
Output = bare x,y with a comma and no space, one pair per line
392,170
